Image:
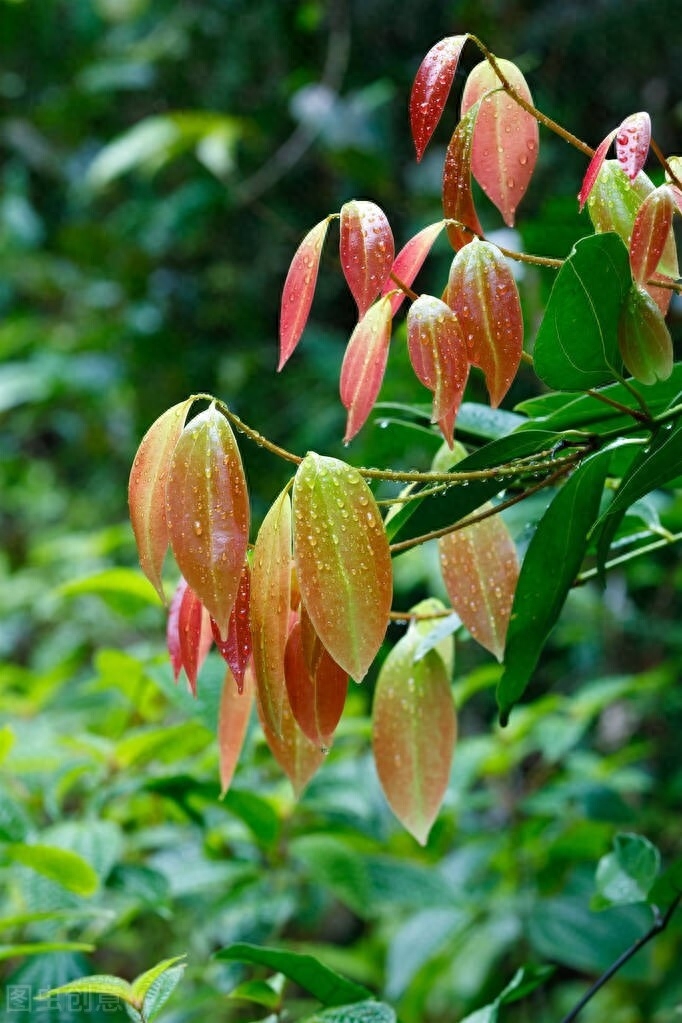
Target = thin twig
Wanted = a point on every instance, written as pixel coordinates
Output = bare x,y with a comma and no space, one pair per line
664,163
635,413
622,559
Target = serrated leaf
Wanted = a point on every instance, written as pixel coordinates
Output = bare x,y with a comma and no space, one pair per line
577,344
236,649
458,199
505,143
644,341
233,722
97,984
208,512
147,490
343,562
431,89
298,291
414,730
627,874
409,262
480,570
358,1012
143,983
650,233
632,143
316,686
155,987
66,868
364,364
438,353
482,292
366,249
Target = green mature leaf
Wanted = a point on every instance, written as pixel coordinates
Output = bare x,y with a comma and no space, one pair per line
113,582
66,868
627,874
577,344
258,991
549,568
359,1012
524,981
35,948
668,886
326,985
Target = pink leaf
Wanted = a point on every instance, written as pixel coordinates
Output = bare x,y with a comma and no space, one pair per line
364,364
298,291
410,260
594,167
366,248
458,200
236,649
650,233
172,628
431,89
632,143
233,722
195,636
438,353
317,690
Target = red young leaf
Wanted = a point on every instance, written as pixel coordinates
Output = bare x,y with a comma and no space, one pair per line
194,632
316,693
480,570
147,490
236,649
431,88
643,338
270,608
364,364
208,512
594,167
233,722
483,294
343,561
458,200
414,730
409,262
632,143
173,630
662,296
299,287
298,757
505,145
650,233
367,250
438,353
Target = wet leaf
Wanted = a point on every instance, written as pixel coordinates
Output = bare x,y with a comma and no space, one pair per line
482,292
505,143
458,199
632,143
414,729
233,722
342,561
594,167
431,89
364,364
207,507
409,262
173,630
480,570
236,649
650,233
298,757
299,288
316,686
367,250
644,340
147,490
195,635
438,353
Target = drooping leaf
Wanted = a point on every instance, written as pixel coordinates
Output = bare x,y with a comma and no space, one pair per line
632,143
482,292
367,250
577,345
343,562
650,233
410,260
316,686
147,490
195,635
298,291
594,167
626,875
233,721
438,353
480,570
270,608
364,364
173,628
644,341
431,89
505,143
208,512
458,199
298,757
414,729
549,568
236,649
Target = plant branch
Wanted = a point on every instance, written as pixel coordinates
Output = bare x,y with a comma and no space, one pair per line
664,163
639,416
520,257
622,559
404,287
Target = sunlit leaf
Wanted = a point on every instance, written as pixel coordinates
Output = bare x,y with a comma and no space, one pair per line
195,635
480,571
409,262
632,143
414,729
147,490
208,512
316,685
458,199
364,364
431,88
482,292
505,143
644,340
650,233
236,649
342,560
298,291
439,357
233,722
367,250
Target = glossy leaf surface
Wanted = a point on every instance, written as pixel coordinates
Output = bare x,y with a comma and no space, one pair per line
208,512
594,167
236,649
298,757
233,722
316,686
505,143
431,89
414,729
643,338
147,490
195,635
410,260
364,364
458,199
343,562
632,143
299,288
367,250
480,570
482,292
439,357
650,233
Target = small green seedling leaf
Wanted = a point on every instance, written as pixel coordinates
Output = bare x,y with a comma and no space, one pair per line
153,988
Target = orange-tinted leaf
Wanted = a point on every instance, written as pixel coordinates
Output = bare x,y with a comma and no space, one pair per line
414,730
458,200
316,686
662,296
233,722
483,294
207,507
410,260
299,288
632,143
431,88
364,364
505,144
236,649
147,490
480,569
594,167
298,757
438,353
643,338
367,250
196,638
650,233
342,560
270,608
